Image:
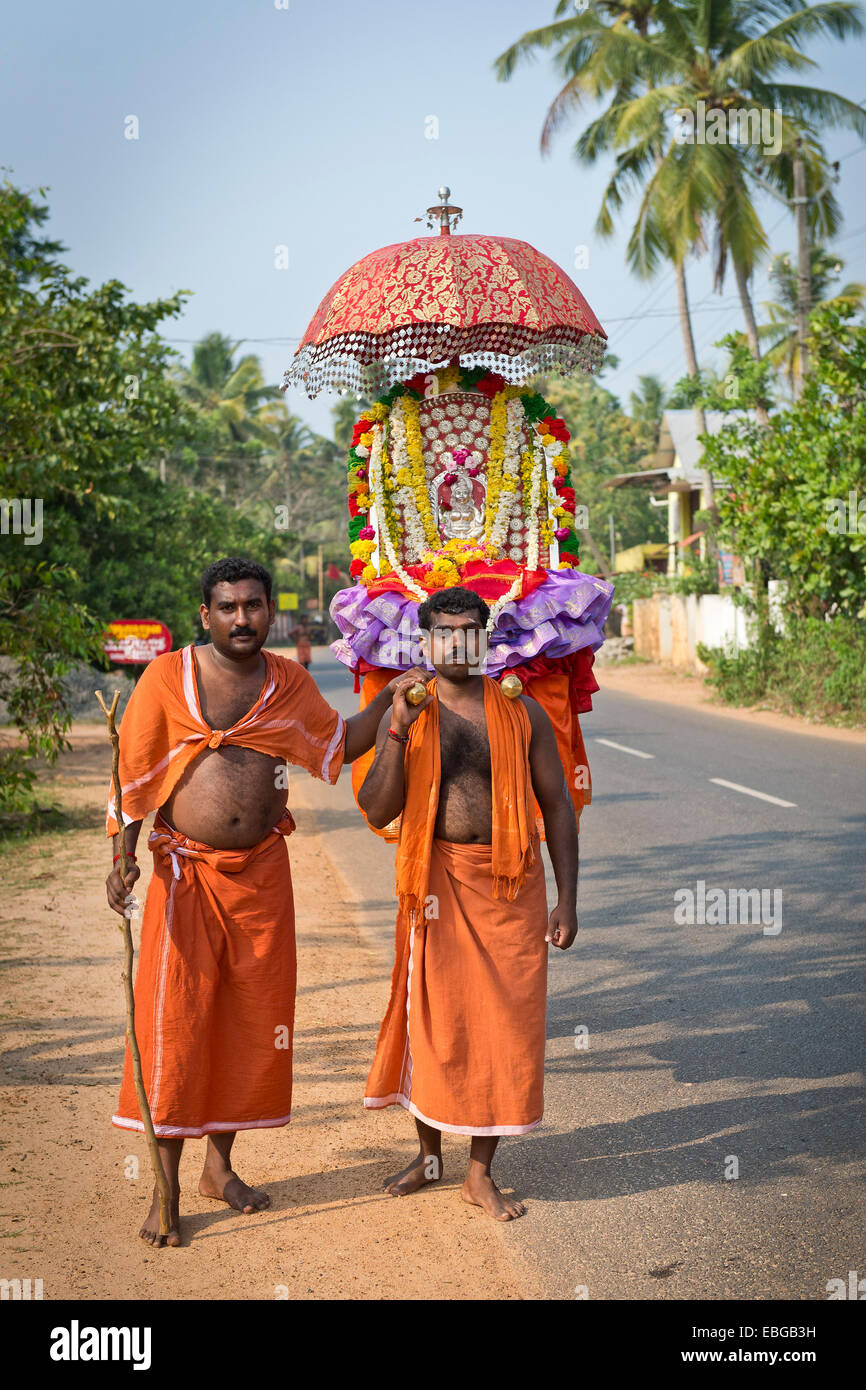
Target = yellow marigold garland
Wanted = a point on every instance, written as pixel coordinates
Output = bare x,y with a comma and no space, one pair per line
418,475
446,567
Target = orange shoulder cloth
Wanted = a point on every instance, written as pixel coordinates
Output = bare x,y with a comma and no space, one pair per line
514,834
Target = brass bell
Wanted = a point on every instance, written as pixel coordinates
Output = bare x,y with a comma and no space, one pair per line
512,686
416,694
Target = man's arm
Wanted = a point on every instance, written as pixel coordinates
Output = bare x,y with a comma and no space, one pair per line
560,829
116,887
383,791
361,728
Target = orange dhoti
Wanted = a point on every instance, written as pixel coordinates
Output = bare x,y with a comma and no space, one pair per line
215,989
462,1043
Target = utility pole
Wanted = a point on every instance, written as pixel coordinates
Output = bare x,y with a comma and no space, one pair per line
800,204
804,268
321,583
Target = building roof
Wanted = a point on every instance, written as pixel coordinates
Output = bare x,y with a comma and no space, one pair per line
678,437
677,458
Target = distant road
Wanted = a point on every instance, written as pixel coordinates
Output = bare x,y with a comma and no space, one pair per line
712,1049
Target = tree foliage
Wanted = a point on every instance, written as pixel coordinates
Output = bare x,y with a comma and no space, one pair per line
793,489
606,441
90,408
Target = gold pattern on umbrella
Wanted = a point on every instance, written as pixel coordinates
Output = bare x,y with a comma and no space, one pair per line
490,302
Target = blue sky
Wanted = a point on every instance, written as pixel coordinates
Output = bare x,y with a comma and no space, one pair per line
305,126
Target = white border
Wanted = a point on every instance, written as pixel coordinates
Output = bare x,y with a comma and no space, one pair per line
379,1102
212,1127
403,1096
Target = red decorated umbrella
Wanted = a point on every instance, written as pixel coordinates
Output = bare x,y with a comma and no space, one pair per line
488,301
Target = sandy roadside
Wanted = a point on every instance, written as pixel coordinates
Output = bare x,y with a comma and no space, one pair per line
71,1203
660,683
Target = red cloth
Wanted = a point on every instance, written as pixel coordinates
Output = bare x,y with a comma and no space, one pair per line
489,581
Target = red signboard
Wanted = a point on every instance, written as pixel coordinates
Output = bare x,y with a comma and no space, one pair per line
135,641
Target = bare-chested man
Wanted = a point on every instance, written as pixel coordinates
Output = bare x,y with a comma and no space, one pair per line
206,738
462,1043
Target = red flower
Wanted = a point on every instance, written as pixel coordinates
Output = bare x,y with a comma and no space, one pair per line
357,566
551,425
360,428
418,382
353,505
490,384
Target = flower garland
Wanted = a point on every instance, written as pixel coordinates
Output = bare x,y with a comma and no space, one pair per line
407,455
387,542
554,437
401,477
443,566
507,467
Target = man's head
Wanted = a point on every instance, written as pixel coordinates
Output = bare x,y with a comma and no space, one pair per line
237,608
453,626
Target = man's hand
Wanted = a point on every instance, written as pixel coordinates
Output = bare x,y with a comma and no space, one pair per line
562,927
119,889
417,673
402,713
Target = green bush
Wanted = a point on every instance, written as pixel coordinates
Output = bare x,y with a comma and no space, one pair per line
816,669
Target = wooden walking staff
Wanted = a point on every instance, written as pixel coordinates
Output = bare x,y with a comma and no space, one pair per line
126,932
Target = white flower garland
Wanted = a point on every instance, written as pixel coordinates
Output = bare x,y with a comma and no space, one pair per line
378,491
534,503
550,453
405,496
514,417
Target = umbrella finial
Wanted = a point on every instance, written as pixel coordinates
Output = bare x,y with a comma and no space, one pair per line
443,213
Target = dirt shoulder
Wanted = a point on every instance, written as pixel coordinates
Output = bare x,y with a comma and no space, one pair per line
653,682
72,1202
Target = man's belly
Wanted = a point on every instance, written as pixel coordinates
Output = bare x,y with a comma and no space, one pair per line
464,814
228,797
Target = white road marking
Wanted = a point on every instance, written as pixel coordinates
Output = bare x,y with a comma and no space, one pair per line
621,748
750,791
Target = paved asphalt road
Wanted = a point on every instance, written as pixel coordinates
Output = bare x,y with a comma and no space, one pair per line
708,1142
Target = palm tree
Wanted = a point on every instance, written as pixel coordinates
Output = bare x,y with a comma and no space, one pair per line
780,333
235,393
658,59
648,402
619,59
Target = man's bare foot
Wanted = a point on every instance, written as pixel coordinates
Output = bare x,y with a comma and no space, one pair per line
225,1186
481,1191
426,1169
150,1229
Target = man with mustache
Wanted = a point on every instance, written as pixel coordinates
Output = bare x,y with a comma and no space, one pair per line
206,740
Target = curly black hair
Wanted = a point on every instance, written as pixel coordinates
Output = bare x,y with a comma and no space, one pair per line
229,571
454,600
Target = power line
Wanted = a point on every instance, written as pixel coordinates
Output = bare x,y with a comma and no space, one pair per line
850,235
674,313
240,342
